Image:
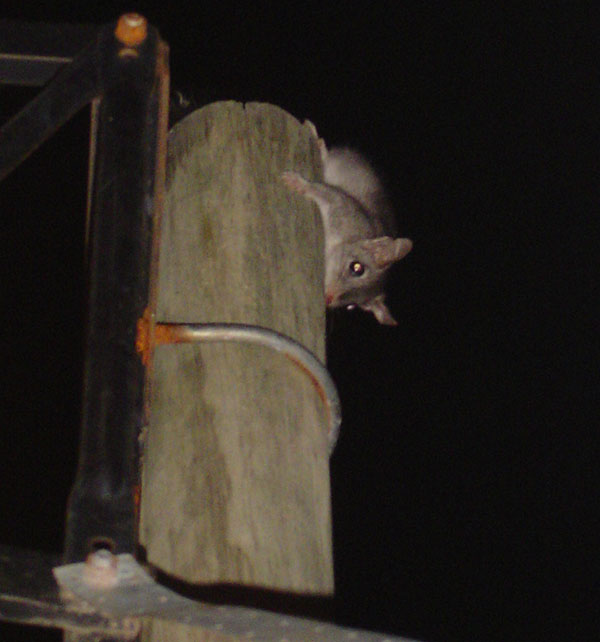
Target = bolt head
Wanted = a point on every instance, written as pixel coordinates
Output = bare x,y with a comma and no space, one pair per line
132,29
101,570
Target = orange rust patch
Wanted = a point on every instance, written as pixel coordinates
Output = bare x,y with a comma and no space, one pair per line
142,339
164,333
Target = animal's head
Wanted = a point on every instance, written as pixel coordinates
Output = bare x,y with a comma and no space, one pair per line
355,274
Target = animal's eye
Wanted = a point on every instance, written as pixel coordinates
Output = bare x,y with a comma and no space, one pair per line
357,268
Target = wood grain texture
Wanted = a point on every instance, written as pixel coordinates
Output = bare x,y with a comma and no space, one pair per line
235,484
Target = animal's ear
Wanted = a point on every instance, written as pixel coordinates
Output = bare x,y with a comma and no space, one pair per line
378,307
385,250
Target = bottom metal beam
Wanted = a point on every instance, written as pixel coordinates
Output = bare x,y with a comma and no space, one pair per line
108,594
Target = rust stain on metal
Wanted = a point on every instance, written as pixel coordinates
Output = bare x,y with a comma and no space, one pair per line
151,334
160,171
137,496
142,339
165,333
315,382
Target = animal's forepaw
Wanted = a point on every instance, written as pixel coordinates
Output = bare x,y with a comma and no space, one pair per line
294,181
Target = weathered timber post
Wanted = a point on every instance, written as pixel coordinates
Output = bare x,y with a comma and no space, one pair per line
235,482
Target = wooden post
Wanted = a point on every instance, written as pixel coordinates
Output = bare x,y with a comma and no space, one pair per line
235,485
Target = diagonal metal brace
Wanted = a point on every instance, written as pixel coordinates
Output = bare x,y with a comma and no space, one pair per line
71,89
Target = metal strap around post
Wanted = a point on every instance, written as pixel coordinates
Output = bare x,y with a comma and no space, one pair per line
302,358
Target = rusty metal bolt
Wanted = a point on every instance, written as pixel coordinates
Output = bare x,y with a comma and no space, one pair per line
132,29
100,570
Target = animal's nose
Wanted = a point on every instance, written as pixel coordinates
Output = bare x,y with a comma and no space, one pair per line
328,298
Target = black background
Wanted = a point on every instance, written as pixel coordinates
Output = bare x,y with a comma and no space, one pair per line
463,484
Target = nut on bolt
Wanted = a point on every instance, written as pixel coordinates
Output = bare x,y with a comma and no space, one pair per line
100,570
132,29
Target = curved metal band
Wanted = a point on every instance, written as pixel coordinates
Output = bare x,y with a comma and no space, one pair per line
294,351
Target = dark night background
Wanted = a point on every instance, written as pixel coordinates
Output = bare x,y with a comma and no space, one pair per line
463,485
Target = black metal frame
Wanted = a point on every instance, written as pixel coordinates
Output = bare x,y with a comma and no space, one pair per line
124,73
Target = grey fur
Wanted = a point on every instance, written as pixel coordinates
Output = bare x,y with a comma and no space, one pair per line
358,220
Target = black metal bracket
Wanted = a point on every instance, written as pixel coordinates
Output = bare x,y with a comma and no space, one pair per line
123,71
